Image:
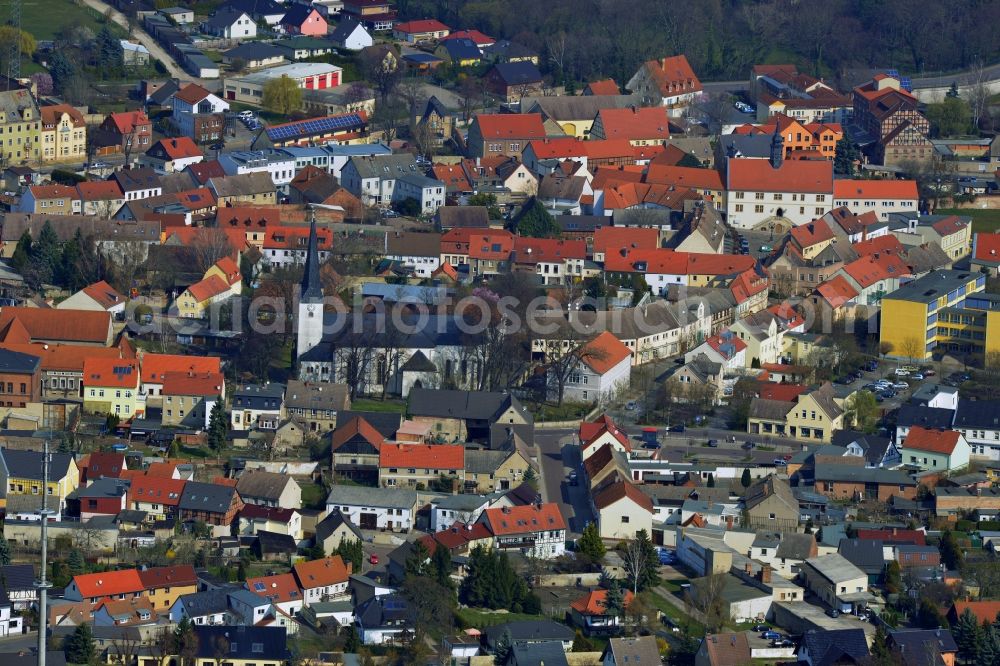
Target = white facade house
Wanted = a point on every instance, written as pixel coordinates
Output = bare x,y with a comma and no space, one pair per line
351,36
10,623
604,369
279,164
229,24
456,508
190,101
761,193
381,180
832,576
375,508
881,196
622,511
535,530
201,608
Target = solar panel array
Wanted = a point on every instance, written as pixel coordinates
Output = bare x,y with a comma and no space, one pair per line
314,126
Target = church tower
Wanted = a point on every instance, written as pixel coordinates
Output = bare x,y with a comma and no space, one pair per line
310,316
777,147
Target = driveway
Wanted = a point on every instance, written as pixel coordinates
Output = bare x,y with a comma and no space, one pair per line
558,455
155,50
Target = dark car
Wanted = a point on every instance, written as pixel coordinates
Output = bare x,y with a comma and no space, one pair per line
713,443
676,428
747,445
761,627
833,612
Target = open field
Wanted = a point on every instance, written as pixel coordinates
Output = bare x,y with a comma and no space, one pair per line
45,19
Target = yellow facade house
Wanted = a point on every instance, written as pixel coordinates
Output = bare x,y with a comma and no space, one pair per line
20,126
63,134
23,474
221,281
111,386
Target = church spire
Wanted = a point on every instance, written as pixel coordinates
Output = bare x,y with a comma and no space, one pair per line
777,147
312,288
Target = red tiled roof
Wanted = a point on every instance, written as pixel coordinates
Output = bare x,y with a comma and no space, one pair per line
700,263
99,190
425,25
836,291
613,239
104,294
590,431
717,342
635,123
110,372
320,573
620,490
356,426
85,326
106,464
108,583
673,75
153,489
53,192
656,261
422,456
880,244
205,384
479,38
155,366
895,534
165,468
278,588
548,250
875,189
203,171
179,147
987,247
702,179
781,392
228,266
524,519
192,93
932,440
950,225
870,269
207,288
52,113
452,175
179,574
593,602
604,352
126,121
247,216
603,87
510,125
812,233
985,611
562,146
491,246
755,175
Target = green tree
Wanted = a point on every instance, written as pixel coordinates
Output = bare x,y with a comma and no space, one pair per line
491,582
282,95
351,551
185,643
929,617
488,200
351,641
893,578
862,410
581,643
951,552
745,479
441,567
968,635
63,70
530,477
950,117
109,53
845,157
614,600
535,221
711,481
590,542
641,562
594,287
881,655
501,651
417,564
22,252
218,426
989,647
75,563
4,551
79,646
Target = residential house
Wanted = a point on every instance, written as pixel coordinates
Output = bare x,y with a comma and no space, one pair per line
260,406
407,465
852,482
769,504
623,511
602,372
269,489
815,414
355,448
764,193
20,122
304,20
632,650
382,180
188,398
834,580
350,35
100,198
884,197
254,55
460,52
172,155
723,649
420,31
640,126
889,114
111,386
242,645
125,132
63,133
534,530
503,134
392,509
384,620
376,15
322,580
277,530
246,188
668,82
782,89
488,471
220,282
156,496
52,199
602,430
210,503
97,588
333,530
920,645
138,184
935,449
103,497
513,81
590,613
130,613
316,404
164,585
464,416
198,114
419,251
230,24
834,646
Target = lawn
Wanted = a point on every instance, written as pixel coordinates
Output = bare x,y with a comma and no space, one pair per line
985,220
480,619
313,495
47,18
373,405
692,627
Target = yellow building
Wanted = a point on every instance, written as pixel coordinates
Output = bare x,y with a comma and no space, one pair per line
942,309
63,134
220,282
23,472
813,415
489,471
111,386
20,126
165,584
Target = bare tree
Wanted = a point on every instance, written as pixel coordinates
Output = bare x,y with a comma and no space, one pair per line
124,650
353,357
911,348
706,597
564,358
381,68
979,92
634,563
209,246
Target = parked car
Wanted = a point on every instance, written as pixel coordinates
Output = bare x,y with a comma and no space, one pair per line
630,405
902,372
373,559
761,627
771,635
917,377
747,445
787,457
833,612
929,372
714,443
573,479
676,428
900,386
784,642
780,461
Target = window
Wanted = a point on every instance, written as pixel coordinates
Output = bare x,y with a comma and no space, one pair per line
625,519
758,208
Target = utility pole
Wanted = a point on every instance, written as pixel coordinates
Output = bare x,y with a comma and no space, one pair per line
42,584
14,51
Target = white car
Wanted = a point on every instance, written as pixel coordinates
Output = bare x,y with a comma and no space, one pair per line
900,386
902,372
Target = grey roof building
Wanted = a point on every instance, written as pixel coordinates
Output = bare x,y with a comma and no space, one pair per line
529,631
16,362
260,397
28,464
386,498
201,497
865,554
833,646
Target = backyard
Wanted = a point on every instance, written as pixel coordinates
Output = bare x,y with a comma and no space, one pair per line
47,18
984,220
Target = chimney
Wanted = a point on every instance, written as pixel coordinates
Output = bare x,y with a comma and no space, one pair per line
765,574
748,568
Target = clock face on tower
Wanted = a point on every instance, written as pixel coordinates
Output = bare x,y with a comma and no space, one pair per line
310,308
